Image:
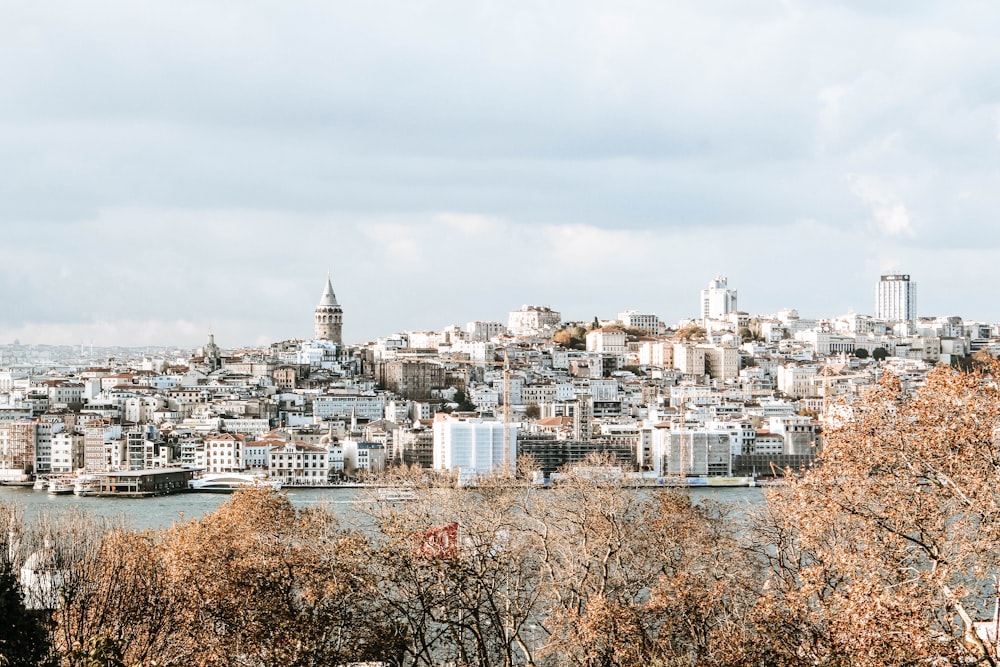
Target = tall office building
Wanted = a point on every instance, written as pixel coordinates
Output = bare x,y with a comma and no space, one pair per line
717,300
896,298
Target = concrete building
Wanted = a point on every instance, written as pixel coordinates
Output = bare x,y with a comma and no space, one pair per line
67,452
299,463
472,446
896,298
533,321
410,378
606,341
717,300
691,453
363,457
483,331
647,322
224,452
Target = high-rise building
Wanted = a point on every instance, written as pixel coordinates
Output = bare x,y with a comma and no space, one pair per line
329,316
472,446
717,300
896,298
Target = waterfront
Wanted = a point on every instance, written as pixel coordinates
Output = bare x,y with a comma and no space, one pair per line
163,511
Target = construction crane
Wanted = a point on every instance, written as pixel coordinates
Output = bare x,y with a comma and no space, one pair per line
505,412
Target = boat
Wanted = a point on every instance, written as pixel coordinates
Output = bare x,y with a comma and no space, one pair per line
41,484
86,485
231,481
395,494
59,486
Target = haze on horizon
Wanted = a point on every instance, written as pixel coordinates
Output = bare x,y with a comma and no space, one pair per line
175,168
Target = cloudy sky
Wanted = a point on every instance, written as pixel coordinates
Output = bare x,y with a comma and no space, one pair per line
170,168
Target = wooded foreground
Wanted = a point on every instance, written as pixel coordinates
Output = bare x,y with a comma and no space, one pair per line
885,554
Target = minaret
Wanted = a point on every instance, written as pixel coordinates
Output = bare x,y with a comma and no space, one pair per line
329,316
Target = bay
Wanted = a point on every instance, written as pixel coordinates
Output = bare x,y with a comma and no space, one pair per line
163,511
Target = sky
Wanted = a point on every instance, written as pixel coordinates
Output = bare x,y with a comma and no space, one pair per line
168,169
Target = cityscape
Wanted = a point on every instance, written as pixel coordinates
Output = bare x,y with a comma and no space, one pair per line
499,334
725,397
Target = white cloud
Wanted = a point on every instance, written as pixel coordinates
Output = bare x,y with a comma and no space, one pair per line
888,211
469,224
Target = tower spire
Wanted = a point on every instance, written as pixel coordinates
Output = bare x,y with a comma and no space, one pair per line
328,315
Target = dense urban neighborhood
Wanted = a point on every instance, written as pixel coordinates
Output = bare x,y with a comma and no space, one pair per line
525,493
722,398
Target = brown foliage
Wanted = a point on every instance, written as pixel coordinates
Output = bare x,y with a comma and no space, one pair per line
886,553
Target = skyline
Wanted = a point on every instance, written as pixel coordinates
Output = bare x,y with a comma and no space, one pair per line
178,169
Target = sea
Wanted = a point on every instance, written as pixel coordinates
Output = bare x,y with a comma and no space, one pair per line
347,503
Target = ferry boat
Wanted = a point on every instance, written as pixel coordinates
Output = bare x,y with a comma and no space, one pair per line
395,494
231,481
41,484
86,485
59,486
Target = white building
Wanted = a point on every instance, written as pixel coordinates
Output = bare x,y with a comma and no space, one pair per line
691,452
363,457
533,321
472,446
896,298
66,452
606,341
368,408
483,331
646,321
299,463
224,452
717,300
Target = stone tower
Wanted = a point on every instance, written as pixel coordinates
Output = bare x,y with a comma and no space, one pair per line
329,316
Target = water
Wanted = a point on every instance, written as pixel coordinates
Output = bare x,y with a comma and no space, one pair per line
164,511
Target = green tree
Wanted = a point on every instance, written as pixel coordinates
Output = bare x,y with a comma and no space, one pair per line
880,354
861,353
24,639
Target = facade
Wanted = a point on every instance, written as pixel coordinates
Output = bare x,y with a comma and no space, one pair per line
67,452
224,453
483,331
606,341
647,322
896,298
410,378
329,316
691,453
533,321
472,446
363,457
717,300
299,463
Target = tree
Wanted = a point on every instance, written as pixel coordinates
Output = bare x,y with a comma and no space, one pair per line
692,332
24,640
880,354
632,580
574,338
861,353
532,411
264,583
464,404
886,552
